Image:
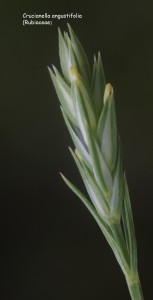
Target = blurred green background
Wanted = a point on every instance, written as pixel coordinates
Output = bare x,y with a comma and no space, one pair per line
52,247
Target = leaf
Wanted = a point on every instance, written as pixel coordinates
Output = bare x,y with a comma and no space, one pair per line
85,99
80,109
81,196
81,56
64,95
101,171
85,155
94,72
98,85
119,238
82,173
101,223
80,136
118,188
103,226
94,194
97,195
107,131
101,123
64,57
72,55
65,36
129,229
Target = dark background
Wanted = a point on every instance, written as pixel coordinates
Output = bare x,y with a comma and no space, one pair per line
52,247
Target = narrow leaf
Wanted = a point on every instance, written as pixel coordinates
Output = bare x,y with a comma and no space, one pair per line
72,56
118,188
81,56
107,130
82,173
86,98
95,191
83,198
98,85
129,229
80,136
85,155
80,109
64,57
101,171
64,96
92,193
104,227
119,238
94,72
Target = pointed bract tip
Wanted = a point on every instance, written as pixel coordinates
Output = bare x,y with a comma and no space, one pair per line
63,177
94,58
61,174
74,73
71,150
59,32
99,57
69,28
66,37
61,108
108,92
54,68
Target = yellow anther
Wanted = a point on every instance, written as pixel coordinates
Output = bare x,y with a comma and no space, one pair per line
78,155
74,73
108,91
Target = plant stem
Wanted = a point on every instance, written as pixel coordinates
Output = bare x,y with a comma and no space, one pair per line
133,283
135,290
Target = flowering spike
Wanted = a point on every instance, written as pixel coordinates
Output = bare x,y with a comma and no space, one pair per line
88,108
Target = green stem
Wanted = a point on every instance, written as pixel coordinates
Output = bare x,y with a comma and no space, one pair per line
135,289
